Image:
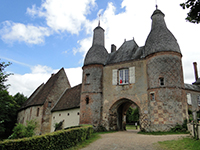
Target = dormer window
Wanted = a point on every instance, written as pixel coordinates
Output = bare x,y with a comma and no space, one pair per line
124,76
161,80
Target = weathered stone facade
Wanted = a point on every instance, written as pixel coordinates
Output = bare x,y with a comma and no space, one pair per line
149,77
41,102
152,80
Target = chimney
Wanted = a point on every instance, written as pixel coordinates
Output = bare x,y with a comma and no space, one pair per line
113,48
195,70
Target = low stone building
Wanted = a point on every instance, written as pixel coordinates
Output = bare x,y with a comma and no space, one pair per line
150,77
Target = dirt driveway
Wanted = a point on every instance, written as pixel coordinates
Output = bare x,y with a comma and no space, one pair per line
129,140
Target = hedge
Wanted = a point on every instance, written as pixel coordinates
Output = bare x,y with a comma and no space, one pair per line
58,140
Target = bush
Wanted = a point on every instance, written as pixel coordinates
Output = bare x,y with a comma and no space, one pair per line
21,131
58,140
180,128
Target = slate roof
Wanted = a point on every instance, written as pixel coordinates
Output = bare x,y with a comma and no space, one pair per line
128,51
192,87
70,99
40,94
160,38
97,54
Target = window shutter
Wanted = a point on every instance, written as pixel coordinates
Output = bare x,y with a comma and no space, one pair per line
189,98
132,74
114,77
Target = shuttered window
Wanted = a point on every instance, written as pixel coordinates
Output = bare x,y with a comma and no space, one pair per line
123,76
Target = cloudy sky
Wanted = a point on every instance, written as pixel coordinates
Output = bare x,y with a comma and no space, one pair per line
40,37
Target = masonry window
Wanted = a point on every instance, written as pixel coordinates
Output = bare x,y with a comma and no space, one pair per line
59,114
68,114
87,78
77,113
53,117
49,104
124,76
87,100
152,96
38,110
161,80
198,100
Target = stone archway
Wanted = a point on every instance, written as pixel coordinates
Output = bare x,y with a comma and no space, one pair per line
117,114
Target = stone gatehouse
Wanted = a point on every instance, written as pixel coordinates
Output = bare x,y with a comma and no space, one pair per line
149,76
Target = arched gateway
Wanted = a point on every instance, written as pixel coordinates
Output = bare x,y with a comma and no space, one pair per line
117,114
150,76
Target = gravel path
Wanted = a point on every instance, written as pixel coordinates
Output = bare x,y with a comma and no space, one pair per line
129,140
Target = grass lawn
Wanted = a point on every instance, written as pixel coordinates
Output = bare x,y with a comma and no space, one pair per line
131,127
186,143
162,133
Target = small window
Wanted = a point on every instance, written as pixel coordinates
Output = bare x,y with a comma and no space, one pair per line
161,81
53,117
59,114
123,76
68,114
198,100
189,101
77,113
87,78
87,100
49,104
152,96
38,110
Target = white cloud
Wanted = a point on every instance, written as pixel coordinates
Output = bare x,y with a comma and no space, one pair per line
27,83
64,15
135,21
23,33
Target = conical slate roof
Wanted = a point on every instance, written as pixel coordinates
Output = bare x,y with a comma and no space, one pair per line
97,54
160,38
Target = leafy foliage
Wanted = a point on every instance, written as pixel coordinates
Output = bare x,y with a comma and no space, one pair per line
132,115
3,75
59,140
194,14
21,131
8,104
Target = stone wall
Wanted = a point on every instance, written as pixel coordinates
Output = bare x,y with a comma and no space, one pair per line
117,95
91,95
55,92
168,106
31,113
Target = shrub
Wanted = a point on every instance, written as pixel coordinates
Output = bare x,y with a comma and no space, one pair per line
58,140
21,131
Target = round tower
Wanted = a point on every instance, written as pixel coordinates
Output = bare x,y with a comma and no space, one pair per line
167,103
91,93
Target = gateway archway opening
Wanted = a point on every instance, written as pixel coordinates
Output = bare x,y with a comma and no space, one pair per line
118,113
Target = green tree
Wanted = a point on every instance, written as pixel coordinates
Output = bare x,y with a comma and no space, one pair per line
19,99
8,104
8,113
3,75
21,131
132,115
194,12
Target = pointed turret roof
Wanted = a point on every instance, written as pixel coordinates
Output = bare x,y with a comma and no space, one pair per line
160,39
97,54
